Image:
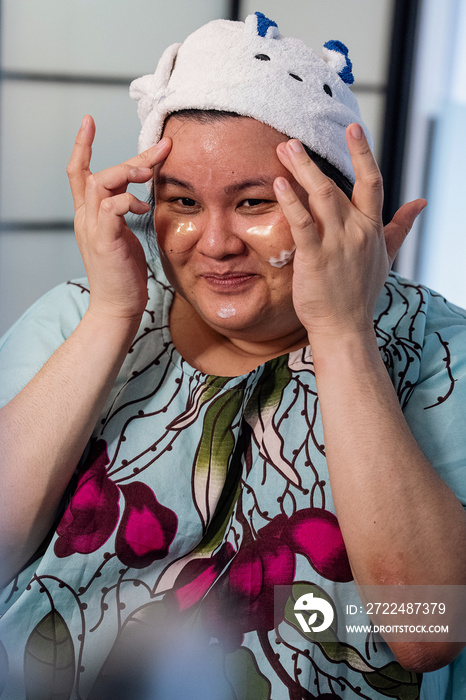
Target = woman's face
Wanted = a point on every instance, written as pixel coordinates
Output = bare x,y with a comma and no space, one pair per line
224,242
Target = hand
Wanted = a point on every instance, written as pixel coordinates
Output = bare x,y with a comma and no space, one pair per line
113,257
343,255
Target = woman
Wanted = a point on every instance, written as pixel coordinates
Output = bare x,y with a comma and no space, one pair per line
227,407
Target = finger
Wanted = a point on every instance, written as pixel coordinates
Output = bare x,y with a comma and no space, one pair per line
301,223
153,155
109,184
137,169
122,204
368,187
112,211
80,159
324,197
401,224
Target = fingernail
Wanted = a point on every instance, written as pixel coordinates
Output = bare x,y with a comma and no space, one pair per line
356,131
163,142
281,184
138,172
296,145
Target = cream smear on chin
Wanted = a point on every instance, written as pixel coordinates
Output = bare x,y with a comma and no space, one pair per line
226,311
286,256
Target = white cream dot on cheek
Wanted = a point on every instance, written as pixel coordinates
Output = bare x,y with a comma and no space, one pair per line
226,311
272,238
286,256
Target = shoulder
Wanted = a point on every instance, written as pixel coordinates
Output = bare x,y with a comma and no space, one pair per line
29,343
433,326
62,305
416,307
54,315
416,330
35,336
427,352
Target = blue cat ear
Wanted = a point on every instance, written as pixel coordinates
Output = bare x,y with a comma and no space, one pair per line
266,27
336,55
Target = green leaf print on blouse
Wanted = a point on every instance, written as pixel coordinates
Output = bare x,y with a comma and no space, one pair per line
242,672
268,393
204,393
49,664
134,654
260,412
214,452
394,681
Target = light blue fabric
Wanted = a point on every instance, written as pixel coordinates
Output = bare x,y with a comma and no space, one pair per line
189,510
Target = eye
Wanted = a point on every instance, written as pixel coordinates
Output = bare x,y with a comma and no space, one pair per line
328,90
185,201
249,203
296,77
262,57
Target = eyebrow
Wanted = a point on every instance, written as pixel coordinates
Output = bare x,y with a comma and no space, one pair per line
234,188
248,184
161,180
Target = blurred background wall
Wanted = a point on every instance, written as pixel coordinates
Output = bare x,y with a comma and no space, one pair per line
60,60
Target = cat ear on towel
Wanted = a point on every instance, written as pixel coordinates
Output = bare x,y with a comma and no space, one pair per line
149,89
260,25
335,54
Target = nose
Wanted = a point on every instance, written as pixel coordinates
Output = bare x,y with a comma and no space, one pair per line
218,238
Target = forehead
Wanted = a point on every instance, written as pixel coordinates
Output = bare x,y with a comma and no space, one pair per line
230,146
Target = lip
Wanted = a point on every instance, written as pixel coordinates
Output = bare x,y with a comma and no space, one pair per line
230,281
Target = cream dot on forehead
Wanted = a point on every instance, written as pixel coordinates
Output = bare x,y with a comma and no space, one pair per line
227,311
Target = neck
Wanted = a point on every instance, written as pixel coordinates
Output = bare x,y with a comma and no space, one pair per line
225,353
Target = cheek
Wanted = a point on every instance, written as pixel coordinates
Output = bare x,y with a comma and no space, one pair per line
273,242
175,236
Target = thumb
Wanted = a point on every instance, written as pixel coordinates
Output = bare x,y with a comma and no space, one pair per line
396,231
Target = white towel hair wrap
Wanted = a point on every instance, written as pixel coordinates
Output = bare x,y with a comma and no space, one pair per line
249,68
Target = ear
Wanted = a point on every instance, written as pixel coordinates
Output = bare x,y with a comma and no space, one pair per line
335,54
150,88
260,25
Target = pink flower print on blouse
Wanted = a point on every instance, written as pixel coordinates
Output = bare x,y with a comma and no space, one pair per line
254,573
244,598
199,574
93,511
147,528
315,533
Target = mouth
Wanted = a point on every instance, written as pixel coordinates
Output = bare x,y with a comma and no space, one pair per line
230,281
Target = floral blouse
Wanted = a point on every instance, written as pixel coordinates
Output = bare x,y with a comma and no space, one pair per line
201,512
